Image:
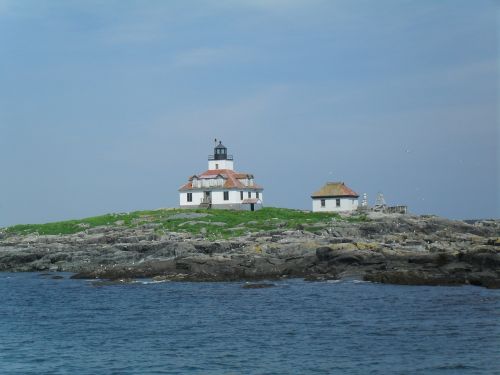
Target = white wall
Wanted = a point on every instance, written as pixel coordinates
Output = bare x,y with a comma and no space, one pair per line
197,197
234,196
346,204
217,196
221,164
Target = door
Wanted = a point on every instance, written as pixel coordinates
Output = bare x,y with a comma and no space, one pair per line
207,198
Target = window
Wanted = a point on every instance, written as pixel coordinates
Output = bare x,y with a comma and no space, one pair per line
323,203
216,166
257,195
226,195
189,197
249,194
337,201
241,195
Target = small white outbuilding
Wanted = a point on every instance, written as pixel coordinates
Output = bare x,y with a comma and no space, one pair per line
334,197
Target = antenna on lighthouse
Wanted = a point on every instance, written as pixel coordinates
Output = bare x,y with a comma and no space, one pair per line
215,141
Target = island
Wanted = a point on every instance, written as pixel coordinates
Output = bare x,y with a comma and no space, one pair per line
268,244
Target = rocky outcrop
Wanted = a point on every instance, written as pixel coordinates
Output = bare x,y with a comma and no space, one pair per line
398,249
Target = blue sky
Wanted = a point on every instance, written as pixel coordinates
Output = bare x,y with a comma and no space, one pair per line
108,106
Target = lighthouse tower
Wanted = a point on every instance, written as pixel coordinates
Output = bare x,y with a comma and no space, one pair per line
220,159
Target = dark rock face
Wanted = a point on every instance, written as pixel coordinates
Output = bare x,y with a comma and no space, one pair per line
257,286
490,280
324,253
321,277
414,278
398,249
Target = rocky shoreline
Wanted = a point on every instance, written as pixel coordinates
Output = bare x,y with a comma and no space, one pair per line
395,249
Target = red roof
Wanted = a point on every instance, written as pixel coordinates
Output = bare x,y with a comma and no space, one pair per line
334,189
231,180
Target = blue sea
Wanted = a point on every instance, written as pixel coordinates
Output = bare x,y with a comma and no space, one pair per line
69,326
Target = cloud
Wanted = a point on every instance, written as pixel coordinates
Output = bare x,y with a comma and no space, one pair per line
269,5
469,70
230,116
204,56
5,6
140,32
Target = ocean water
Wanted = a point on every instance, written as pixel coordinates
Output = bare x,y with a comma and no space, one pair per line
71,327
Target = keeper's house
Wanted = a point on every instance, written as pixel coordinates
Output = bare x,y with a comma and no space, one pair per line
334,197
221,186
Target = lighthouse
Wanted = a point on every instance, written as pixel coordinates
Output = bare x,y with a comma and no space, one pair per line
221,186
220,159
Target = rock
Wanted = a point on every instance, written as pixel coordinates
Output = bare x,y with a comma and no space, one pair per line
490,283
321,277
439,259
160,278
188,215
413,278
490,280
257,286
493,241
398,249
324,253
151,225
98,230
196,222
338,240
344,246
113,282
347,259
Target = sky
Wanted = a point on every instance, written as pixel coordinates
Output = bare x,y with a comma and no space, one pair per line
109,106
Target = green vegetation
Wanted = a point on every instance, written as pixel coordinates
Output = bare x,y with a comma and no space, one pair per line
216,223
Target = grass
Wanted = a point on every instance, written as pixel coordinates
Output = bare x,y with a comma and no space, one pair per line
218,223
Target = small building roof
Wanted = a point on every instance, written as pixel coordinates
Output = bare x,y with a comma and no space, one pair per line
334,190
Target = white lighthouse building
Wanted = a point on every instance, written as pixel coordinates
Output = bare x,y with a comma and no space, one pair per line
221,186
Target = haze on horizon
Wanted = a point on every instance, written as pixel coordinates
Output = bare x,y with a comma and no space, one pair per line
110,106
